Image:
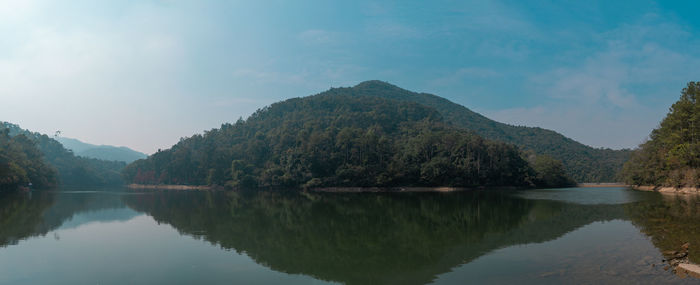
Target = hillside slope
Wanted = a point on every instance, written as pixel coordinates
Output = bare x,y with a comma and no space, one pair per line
583,163
72,170
339,140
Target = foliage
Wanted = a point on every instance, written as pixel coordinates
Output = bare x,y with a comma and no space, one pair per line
337,140
550,172
22,163
72,170
671,156
581,162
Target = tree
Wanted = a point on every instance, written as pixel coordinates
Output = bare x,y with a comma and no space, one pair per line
671,156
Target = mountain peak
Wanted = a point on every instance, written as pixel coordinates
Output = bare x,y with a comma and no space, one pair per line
376,84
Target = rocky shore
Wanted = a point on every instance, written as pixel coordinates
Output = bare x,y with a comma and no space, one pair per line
678,262
666,189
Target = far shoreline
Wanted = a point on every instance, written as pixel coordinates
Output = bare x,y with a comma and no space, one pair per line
602,185
335,189
170,187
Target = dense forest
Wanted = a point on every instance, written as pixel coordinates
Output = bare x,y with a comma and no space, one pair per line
671,156
582,163
341,140
69,169
21,162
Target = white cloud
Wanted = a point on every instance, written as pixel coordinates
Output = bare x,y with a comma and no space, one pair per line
12,10
598,100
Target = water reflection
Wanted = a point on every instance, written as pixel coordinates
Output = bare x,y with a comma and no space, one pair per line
22,216
25,215
366,238
671,221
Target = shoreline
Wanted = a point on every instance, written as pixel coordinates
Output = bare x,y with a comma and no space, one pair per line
398,189
169,187
387,189
668,189
601,185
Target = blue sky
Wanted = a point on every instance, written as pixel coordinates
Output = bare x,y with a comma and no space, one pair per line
143,74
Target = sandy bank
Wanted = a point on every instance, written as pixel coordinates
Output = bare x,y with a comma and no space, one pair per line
169,187
664,189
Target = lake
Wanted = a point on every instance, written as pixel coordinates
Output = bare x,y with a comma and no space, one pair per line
120,236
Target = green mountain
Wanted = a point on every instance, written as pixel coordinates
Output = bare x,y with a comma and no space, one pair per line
582,162
21,163
72,170
671,157
342,140
103,152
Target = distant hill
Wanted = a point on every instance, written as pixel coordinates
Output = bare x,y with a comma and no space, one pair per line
72,170
331,140
583,163
104,152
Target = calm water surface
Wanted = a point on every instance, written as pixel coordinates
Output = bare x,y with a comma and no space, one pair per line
574,235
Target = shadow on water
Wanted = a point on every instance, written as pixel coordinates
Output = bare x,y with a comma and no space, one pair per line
25,215
361,238
670,221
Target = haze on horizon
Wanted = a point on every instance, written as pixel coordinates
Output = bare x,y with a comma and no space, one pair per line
143,74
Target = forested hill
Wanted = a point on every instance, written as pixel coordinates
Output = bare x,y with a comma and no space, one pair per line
343,140
72,170
671,157
21,163
582,162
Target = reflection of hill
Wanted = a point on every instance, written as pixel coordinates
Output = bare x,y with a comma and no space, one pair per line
21,216
24,215
670,222
365,239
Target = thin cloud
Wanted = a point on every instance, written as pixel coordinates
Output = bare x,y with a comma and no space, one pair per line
317,37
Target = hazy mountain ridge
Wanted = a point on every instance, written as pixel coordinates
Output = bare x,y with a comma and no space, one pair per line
104,152
72,170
